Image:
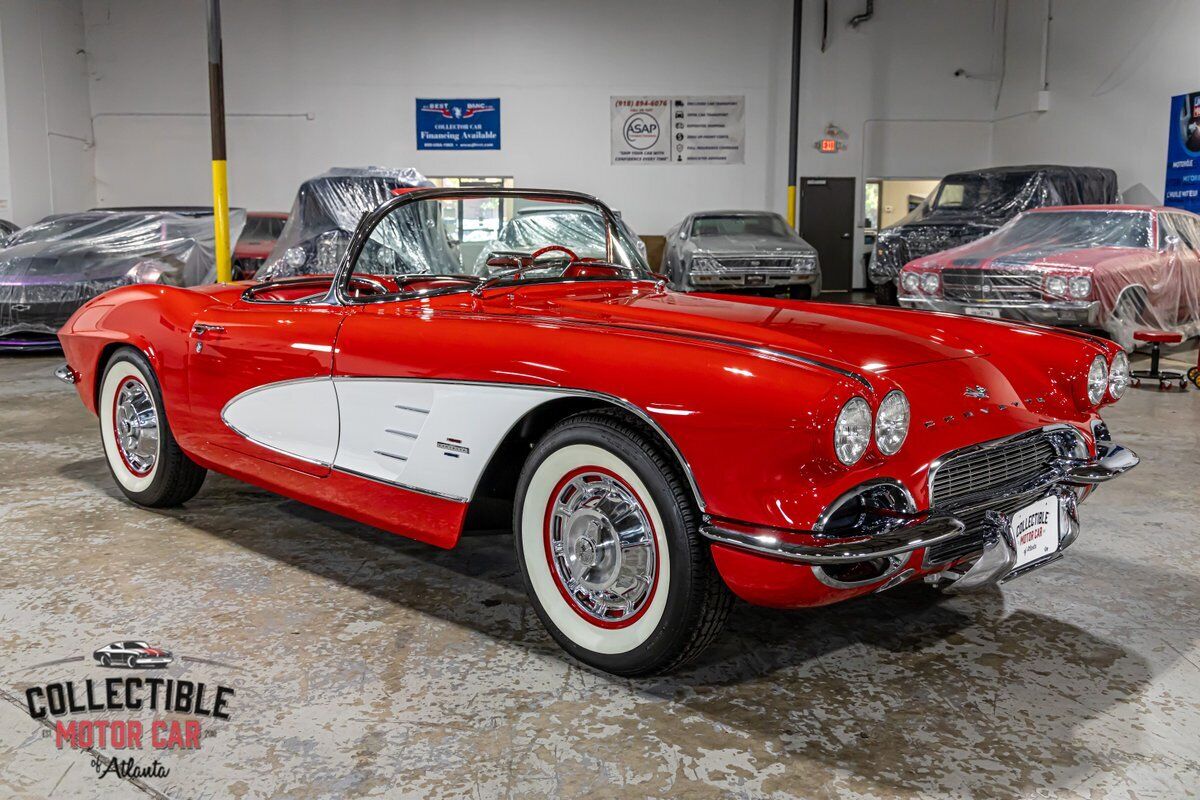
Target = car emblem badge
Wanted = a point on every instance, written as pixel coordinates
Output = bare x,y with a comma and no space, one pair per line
21,307
977,392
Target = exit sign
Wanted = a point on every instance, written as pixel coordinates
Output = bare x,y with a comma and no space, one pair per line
828,145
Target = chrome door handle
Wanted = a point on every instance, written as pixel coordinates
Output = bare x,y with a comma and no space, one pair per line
201,328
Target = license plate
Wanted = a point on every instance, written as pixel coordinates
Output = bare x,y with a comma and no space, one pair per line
994,313
756,280
1034,531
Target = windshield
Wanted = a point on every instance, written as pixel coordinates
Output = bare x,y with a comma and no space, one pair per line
74,227
567,241
976,191
738,225
261,227
1074,230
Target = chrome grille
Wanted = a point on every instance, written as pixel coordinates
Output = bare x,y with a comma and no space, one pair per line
973,473
765,264
976,285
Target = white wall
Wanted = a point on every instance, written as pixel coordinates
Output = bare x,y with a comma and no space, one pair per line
1113,67
46,116
356,67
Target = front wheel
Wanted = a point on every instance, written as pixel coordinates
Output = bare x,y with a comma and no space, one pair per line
607,539
143,456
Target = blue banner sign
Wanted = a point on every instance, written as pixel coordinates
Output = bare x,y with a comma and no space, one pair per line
460,124
1183,154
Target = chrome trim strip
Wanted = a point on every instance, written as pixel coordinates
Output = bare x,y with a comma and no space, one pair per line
399,485
390,455
405,434
402,408
910,503
67,375
929,530
272,448
894,565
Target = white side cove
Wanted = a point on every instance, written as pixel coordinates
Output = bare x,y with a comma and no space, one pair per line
296,418
419,434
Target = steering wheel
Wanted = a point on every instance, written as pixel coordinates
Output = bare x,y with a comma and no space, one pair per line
550,248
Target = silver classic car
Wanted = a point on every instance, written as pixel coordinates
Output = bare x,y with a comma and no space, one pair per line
743,251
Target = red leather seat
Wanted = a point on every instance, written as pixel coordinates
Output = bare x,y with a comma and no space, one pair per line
1165,337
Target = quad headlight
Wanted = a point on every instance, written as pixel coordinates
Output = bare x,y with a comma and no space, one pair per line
1118,375
1097,380
891,422
705,264
911,282
852,432
930,283
1056,285
1080,286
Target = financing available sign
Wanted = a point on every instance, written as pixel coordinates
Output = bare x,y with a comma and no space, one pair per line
1183,154
691,129
458,124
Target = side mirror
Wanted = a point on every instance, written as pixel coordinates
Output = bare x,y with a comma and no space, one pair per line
683,233
1172,241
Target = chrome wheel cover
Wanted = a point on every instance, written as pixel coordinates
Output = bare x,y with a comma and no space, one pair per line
135,426
601,547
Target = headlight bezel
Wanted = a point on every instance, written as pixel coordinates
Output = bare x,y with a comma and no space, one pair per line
931,283
910,282
887,406
854,414
1096,380
1079,281
1056,285
1118,380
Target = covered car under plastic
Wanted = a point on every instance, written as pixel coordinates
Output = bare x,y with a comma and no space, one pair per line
51,268
327,210
966,206
1115,269
537,226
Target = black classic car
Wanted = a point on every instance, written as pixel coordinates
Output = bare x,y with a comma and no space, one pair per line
751,251
967,206
53,267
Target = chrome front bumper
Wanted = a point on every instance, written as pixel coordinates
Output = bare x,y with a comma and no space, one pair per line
1075,313
935,527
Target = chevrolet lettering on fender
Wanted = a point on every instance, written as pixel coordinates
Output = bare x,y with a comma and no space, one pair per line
655,453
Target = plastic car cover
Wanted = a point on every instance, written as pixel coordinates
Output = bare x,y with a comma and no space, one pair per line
968,205
51,268
1109,270
576,227
328,209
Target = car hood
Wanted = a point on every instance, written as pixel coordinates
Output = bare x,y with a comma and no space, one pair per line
859,338
749,244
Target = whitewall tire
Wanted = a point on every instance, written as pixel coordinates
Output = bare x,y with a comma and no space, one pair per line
142,454
606,538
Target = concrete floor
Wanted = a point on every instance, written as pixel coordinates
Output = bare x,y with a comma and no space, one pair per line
367,665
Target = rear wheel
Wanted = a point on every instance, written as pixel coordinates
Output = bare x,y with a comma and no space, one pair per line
607,540
142,454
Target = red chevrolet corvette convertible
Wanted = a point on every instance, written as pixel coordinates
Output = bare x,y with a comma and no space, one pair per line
655,453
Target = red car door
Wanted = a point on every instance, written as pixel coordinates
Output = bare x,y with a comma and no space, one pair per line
259,380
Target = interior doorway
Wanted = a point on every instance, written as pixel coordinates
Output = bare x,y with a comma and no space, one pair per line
827,223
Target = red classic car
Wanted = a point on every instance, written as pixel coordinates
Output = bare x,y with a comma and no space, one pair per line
254,245
654,451
1108,268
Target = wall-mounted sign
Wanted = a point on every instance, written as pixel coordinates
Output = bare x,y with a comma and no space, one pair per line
1183,153
828,145
458,124
678,130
